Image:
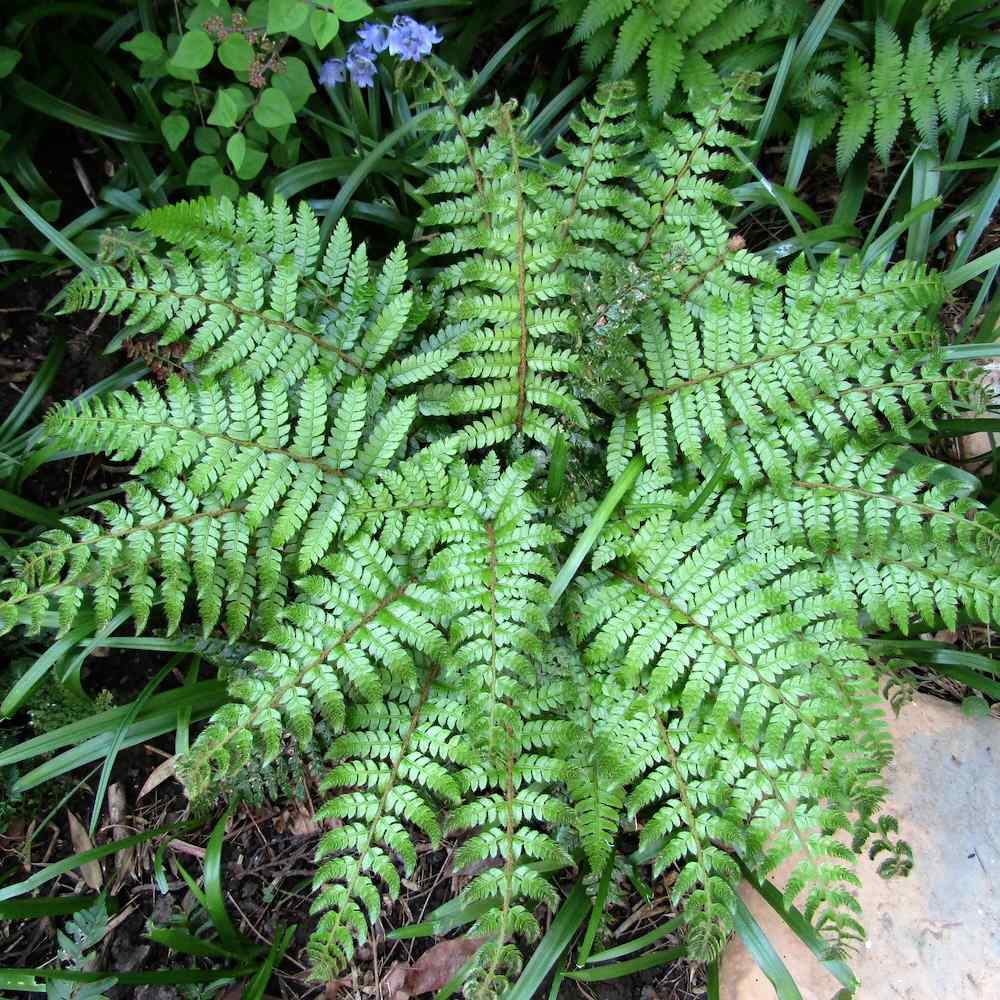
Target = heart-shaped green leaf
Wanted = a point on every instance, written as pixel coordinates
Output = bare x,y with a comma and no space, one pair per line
324,27
175,128
285,15
145,46
273,109
194,52
236,53
236,149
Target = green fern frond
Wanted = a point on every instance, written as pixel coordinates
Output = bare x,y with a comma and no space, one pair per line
264,301
797,360
858,110
289,459
357,630
393,768
163,544
887,80
504,296
937,87
674,36
919,82
495,575
706,629
858,498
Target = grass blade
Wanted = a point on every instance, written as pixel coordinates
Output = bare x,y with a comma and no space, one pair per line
596,911
448,916
119,738
45,906
812,38
497,60
803,930
983,217
361,172
255,988
925,185
159,977
774,97
214,893
205,694
884,243
600,517
296,179
97,748
763,953
954,277
636,944
712,986
566,923
618,969
35,674
57,868
28,511
74,253
46,104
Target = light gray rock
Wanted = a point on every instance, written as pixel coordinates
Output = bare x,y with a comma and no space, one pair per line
936,934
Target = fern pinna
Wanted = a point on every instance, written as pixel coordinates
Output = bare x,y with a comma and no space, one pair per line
374,487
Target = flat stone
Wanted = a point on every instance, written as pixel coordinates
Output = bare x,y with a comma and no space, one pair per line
936,934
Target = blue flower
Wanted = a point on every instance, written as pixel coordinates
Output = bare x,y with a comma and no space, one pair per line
432,36
410,40
374,36
332,72
361,64
406,38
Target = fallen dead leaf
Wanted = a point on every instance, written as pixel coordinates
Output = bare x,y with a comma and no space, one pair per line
302,823
183,847
90,870
15,830
336,986
157,776
394,984
435,967
117,811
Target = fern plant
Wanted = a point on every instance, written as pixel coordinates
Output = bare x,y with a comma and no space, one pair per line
77,940
877,70
676,41
928,81
583,539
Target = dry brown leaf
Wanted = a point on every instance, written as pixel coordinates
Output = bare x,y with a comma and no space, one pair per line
335,987
435,967
302,822
15,830
117,811
90,870
157,776
183,847
394,983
